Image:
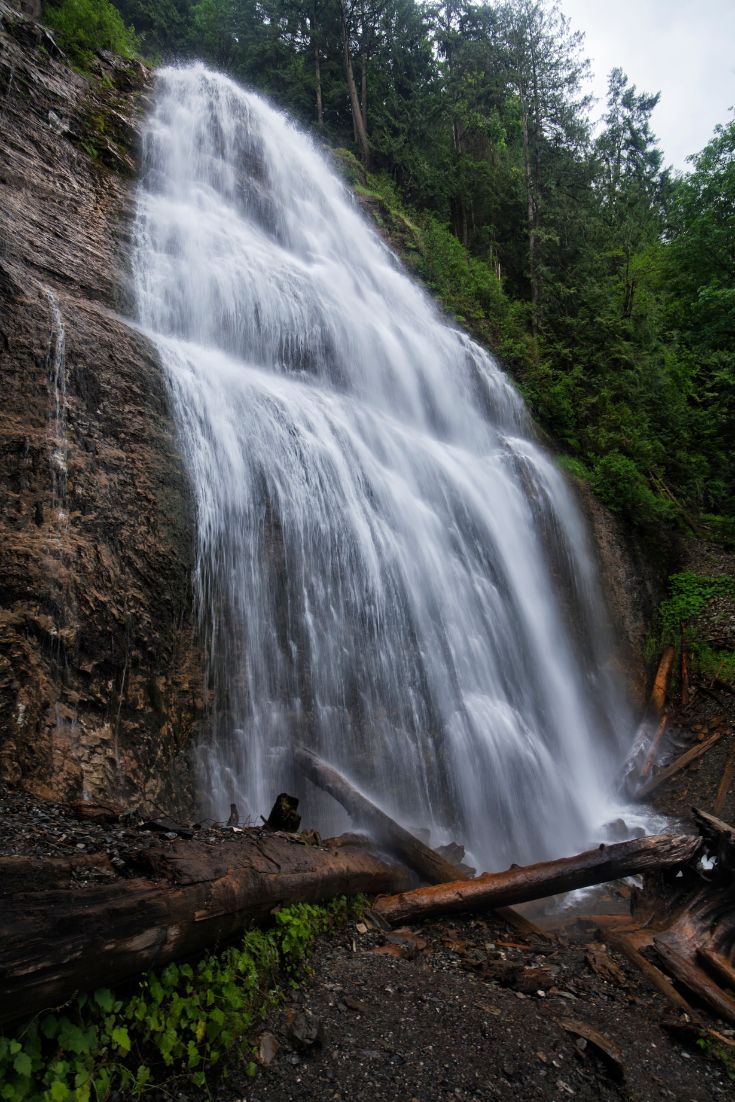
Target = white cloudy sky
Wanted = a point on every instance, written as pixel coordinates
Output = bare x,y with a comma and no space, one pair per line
684,49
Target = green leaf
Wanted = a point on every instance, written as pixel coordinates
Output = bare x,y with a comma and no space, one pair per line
22,1065
121,1038
104,999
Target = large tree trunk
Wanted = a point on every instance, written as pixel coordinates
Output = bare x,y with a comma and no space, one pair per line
318,84
360,132
429,864
532,228
519,885
61,938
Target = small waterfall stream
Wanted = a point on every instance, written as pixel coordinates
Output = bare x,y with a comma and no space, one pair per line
390,570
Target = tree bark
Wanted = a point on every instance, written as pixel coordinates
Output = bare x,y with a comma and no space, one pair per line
520,885
185,897
318,84
531,207
387,832
695,980
361,137
661,683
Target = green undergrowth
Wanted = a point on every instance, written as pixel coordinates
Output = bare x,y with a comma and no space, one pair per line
690,594
725,1055
84,26
190,1018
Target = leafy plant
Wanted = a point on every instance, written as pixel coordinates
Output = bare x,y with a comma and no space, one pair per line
690,593
85,26
187,1018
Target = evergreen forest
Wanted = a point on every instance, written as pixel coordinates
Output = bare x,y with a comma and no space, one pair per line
550,226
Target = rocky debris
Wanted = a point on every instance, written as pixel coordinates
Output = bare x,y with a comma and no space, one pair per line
39,829
100,677
431,1030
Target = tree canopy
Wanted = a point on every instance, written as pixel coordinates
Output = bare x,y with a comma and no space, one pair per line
605,283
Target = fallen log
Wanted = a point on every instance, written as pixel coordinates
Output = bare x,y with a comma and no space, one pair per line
520,885
695,980
185,897
719,838
654,975
725,785
676,766
661,681
717,966
429,864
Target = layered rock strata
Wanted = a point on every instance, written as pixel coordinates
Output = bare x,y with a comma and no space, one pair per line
100,679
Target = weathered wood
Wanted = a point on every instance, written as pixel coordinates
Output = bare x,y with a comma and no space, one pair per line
520,885
284,813
716,964
725,785
695,980
661,681
653,974
430,865
719,837
186,897
680,763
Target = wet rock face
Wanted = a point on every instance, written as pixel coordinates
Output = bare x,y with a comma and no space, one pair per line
633,582
100,678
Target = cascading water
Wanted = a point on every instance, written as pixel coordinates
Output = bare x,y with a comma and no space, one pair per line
390,571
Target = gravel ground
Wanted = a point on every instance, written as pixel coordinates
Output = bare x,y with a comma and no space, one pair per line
470,1011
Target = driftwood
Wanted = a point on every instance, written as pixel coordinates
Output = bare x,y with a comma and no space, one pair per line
183,898
678,764
520,885
429,864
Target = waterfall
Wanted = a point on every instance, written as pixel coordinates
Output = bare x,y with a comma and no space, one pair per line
56,362
390,570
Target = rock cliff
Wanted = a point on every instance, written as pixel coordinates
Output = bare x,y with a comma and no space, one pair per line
100,679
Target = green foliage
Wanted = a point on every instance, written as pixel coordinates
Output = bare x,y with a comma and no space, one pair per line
618,482
190,1017
690,593
84,26
714,664
574,467
725,1055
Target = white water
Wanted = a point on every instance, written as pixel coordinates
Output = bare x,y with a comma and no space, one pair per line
390,570
56,363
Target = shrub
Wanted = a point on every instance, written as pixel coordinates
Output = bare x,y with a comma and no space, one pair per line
618,482
85,26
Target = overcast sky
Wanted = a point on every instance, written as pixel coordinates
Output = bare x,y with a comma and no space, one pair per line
684,49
